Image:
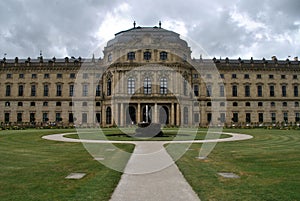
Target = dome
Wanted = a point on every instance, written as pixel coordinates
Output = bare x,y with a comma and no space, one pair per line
145,38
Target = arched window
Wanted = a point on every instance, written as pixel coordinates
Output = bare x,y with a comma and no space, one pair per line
296,104
7,104
131,56
108,115
131,85
163,86
272,104
147,86
222,104
163,55
248,104
109,87
235,104
260,104
284,104
208,104
84,104
98,104
147,55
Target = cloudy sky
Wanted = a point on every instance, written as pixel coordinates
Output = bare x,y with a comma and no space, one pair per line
223,28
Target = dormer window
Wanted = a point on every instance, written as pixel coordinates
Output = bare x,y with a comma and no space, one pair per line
109,58
131,56
163,56
147,55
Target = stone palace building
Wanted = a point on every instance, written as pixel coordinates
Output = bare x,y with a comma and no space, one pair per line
147,74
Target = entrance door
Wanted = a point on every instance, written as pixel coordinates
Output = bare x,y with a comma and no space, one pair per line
130,115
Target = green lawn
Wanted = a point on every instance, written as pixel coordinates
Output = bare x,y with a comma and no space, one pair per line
35,169
268,164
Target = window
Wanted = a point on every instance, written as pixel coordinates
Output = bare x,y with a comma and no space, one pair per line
297,117
85,75
185,115
21,76
259,91
32,104
147,55
247,91
235,117
260,117
98,75
58,103
59,76
222,76
285,117
296,104
271,76
209,117
19,117
45,117
58,117
208,104
283,91
284,104
109,58
20,104
185,90
6,117
32,117
248,117
163,56
234,91
98,117
208,90
33,90
248,104
33,76
71,90
108,115
98,104
46,76
163,86
7,104
283,76
272,91
296,91
109,87
295,77
258,76
222,117
84,104
8,76
195,75
21,90
233,76
273,104
246,76
72,75
58,90
235,104
45,103
222,91
260,104
147,85
71,104
196,117
196,90
46,90
85,89
131,85
71,118
222,104
131,56
273,117
8,90
98,90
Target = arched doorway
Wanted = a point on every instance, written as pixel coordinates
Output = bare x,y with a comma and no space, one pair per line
147,113
130,115
164,115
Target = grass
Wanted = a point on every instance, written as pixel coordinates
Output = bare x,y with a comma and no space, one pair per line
35,169
268,164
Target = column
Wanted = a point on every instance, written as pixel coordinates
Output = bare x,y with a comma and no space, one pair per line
172,114
138,115
191,112
122,117
178,115
155,113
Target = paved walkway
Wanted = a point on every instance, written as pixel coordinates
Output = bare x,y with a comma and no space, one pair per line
151,173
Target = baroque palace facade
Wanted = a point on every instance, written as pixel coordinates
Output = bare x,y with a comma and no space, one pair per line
147,74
